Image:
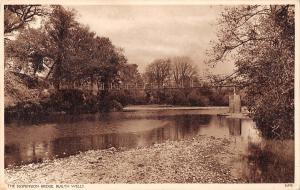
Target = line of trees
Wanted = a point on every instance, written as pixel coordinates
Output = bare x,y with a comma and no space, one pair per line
62,52
180,71
69,54
177,70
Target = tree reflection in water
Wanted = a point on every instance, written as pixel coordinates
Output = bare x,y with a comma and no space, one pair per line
260,160
256,159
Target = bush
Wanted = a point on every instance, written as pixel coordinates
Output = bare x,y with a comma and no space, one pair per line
219,99
126,97
196,99
275,120
69,100
179,98
24,110
91,103
107,104
115,106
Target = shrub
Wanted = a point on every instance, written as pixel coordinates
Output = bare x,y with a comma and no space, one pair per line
69,100
179,98
219,99
193,98
115,106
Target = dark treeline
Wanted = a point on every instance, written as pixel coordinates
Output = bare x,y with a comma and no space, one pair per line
181,73
64,51
73,69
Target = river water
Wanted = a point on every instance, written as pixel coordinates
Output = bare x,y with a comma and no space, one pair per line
257,159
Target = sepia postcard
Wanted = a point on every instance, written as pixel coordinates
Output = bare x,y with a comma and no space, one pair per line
140,94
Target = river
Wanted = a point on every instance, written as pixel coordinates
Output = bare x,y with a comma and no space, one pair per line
50,137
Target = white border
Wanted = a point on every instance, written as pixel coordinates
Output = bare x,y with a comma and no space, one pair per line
276,186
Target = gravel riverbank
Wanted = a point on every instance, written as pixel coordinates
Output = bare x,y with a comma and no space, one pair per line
199,160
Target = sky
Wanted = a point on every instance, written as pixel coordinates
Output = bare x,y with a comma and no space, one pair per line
149,32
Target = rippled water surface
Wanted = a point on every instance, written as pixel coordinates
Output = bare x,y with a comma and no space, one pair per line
258,159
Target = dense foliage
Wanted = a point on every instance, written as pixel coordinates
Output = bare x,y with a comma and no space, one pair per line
260,40
67,50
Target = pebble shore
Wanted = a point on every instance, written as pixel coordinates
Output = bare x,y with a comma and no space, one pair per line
201,159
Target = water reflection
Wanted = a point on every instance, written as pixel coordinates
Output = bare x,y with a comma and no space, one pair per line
27,144
258,160
235,126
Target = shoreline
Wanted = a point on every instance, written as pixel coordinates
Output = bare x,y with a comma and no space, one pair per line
201,159
170,107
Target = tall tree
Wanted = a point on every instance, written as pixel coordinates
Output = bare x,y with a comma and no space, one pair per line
51,40
129,74
107,61
260,40
158,72
183,70
16,17
59,26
